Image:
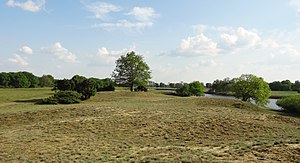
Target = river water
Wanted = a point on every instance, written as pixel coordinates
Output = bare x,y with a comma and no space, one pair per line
272,104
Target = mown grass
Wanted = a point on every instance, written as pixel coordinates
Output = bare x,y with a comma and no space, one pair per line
122,127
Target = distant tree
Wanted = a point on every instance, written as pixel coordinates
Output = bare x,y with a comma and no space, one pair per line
296,86
208,85
222,86
192,89
184,90
32,79
287,84
65,85
19,80
77,80
87,88
249,87
172,85
47,81
196,88
130,70
161,84
5,79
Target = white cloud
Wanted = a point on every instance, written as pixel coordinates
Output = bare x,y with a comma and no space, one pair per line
17,59
143,14
101,9
60,52
137,18
111,56
123,24
198,45
29,5
238,39
295,3
25,50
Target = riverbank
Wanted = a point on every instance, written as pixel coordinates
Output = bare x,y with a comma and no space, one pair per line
274,94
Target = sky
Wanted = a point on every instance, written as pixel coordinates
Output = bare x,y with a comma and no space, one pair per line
190,40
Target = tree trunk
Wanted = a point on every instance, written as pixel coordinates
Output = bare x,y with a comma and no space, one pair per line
131,87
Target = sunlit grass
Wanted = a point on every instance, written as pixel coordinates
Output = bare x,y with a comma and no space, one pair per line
125,126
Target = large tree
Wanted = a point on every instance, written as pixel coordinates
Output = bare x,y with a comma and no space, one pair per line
249,87
131,70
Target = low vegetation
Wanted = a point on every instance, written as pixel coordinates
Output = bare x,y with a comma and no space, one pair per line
192,89
63,97
125,126
290,103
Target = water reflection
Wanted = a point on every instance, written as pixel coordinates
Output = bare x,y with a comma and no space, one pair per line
272,104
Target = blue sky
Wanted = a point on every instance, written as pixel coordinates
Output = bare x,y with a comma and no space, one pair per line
180,40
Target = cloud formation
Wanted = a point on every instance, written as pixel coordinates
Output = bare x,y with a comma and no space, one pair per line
25,50
29,5
135,19
198,45
17,59
60,52
101,9
110,57
143,14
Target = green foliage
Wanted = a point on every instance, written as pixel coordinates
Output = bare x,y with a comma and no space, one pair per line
222,86
196,88
284,85
141,88
19,80
65,85
131,70
183,90
63,97
104,84
5,79
47,81
290,103
249,87
193,89
87,88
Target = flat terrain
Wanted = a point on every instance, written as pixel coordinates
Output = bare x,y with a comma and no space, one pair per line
280,94
122,126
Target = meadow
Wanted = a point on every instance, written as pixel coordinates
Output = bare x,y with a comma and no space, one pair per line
125,126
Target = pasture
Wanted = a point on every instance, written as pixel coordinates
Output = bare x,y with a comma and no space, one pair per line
125,126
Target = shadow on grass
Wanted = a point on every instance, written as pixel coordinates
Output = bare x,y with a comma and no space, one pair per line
34,101
286,113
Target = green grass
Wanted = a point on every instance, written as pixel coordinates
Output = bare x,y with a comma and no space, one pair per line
123,126
280,94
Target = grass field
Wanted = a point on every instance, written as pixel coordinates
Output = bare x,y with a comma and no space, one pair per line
122,126
280,94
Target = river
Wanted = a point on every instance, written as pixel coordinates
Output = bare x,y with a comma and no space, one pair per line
272,104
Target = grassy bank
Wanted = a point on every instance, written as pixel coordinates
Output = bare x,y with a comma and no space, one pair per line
124,126
281,94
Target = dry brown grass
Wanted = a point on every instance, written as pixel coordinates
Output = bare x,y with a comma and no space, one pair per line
123,126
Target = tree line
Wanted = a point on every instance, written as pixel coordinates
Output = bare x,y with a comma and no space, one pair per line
225,86
25,80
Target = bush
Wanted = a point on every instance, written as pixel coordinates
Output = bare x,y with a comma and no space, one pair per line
63,97
290,103
141,88
184,90
193,89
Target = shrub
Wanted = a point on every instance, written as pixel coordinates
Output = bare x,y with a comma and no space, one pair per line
193,89
196,88
184,90
290,103
63,97
141,88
